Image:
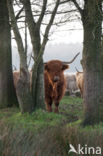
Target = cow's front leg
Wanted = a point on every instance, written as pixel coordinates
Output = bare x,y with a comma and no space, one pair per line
49,104
56,110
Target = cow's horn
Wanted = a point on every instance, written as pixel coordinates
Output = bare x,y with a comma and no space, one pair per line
78,70
71,60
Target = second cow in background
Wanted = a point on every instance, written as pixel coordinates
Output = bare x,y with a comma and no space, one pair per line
71,85
80,81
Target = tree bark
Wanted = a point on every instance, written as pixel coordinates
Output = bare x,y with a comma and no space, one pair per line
40,94
37,76
23,85
23,92
38,73
7,92
92,62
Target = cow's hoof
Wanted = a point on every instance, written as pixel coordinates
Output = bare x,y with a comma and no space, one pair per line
49,109
56,110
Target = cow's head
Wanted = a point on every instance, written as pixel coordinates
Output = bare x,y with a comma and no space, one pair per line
55,69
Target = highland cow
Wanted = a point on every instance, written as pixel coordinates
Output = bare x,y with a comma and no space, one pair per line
80,81
55,83
71,86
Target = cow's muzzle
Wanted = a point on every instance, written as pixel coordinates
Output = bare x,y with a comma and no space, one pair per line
56,78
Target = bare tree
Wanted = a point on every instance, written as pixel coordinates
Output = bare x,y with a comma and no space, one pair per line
91,16
38,47
23,85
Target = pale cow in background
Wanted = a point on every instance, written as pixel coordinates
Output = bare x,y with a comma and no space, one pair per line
71,85
16,75
80,81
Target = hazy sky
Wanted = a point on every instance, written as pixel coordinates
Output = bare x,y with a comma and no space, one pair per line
64,42
69,33
63,45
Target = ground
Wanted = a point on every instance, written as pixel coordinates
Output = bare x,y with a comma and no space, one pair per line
47,134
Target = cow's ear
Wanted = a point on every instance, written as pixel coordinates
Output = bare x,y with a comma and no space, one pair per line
65,66
46,67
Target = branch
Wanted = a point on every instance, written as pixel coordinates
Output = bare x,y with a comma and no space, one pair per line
49,13
78,7
32,26
47,32
29,15
42,13
17,35
63,2
50,23
18,14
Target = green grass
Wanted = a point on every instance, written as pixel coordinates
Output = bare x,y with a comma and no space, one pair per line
70,110
36,121
47,132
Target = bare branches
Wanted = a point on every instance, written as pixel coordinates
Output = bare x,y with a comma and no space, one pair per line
38,14
32,26
17,34
42,12
20,11
29,15
50,22
47,32
78,7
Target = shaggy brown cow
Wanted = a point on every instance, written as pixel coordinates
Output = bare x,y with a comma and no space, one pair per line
55,83
80,81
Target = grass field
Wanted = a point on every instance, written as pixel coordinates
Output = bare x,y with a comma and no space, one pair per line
47,134
70,110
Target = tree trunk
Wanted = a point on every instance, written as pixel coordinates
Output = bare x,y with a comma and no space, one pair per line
23,92
7,92
92,63
38,86
23,85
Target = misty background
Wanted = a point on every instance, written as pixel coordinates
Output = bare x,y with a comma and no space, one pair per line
59,51
64,42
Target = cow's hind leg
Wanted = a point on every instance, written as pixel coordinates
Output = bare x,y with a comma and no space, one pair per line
56,110
49,104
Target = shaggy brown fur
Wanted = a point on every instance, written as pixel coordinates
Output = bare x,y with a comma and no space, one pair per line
80,81
55,83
